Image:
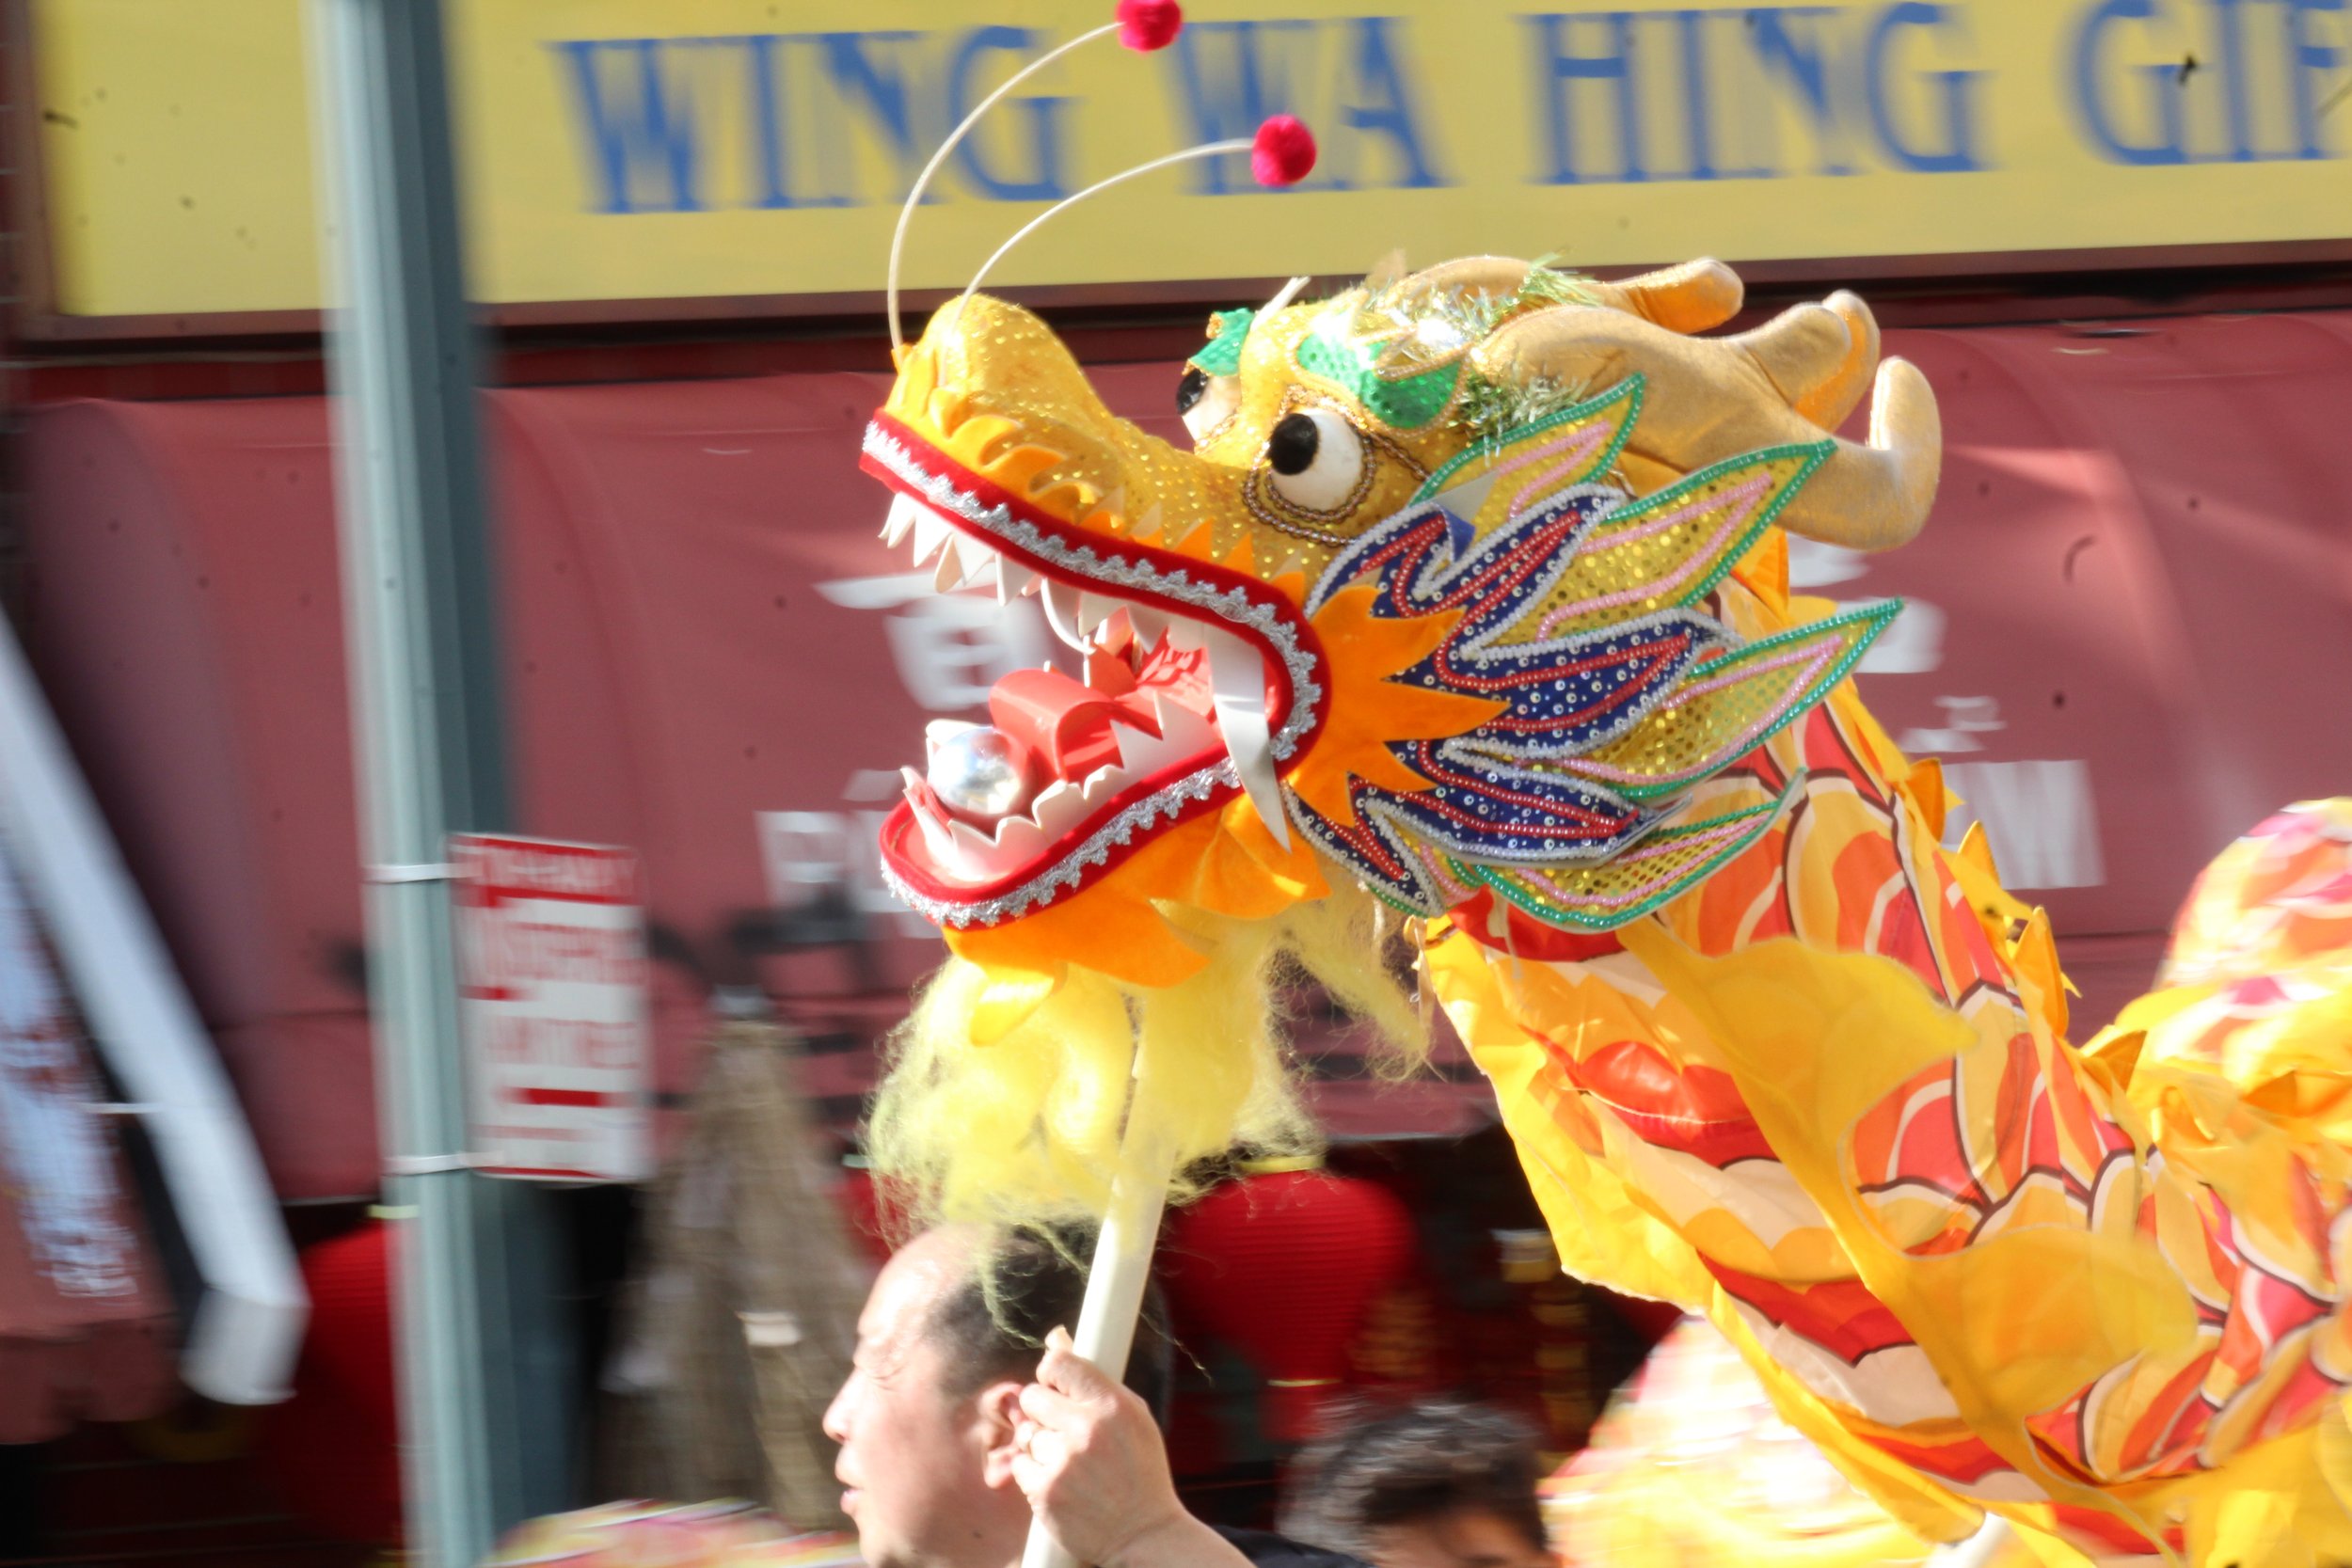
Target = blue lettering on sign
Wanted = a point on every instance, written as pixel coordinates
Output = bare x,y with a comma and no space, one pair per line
2160,84
1949,146
2307,58
1382,104
1791,49
2229,33
1631,96
650,112
1703,93
867,74
1347,76
1560,67
640,126
2149,112
1044,141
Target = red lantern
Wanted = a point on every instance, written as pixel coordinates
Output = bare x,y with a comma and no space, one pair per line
1284,1265
335,1445
873,1217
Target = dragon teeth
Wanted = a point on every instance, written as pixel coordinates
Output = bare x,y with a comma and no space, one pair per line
963,560
1018,841
1064,607
1116,630
937,840
931,531
1059,807
903,511
1082,620
1094,609
1102,783
973,846
1150,624
1238,676
1184,736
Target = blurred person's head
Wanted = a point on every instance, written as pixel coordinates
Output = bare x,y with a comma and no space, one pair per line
927,1422
1438,1484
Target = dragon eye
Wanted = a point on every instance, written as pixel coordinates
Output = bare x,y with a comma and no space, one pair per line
1206,401
1317,459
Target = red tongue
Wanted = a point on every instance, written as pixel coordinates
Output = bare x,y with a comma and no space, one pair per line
1067,722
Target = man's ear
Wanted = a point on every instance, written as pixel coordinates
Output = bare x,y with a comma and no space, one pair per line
998,1406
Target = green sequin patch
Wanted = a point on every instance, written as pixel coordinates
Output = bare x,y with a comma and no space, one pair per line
1401,403
1221,353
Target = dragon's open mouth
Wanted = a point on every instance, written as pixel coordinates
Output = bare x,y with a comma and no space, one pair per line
1201,683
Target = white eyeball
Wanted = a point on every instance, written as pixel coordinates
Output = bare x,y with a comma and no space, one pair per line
1318,460
1206,401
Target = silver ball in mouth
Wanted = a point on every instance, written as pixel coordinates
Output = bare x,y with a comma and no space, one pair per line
980,772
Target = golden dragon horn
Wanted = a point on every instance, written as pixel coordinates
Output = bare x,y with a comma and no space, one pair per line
1690,297
1712,399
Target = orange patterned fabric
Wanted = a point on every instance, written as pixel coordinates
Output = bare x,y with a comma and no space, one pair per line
1524,668
2095,1291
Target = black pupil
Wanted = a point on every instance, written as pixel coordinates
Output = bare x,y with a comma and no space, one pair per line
1189,390
1292,448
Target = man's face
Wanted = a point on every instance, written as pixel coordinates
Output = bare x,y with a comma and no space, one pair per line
915,1459
1464,1538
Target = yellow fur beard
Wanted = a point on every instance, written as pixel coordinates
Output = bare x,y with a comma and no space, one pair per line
1027,1127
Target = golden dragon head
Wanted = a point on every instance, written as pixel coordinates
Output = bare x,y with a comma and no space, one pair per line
1428,607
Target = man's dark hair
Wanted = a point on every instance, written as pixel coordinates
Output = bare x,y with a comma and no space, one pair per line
1414,1463
1027,1280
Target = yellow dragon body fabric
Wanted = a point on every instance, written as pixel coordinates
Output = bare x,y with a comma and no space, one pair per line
1468,615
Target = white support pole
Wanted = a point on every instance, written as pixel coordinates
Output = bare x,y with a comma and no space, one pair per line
247,1321
1121,1271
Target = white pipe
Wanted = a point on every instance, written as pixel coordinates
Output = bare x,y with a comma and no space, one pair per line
1120,1273
1206,150
939,156
248,1320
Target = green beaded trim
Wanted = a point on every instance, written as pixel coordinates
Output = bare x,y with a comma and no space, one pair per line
1876,616
1555,913
1403,402
1628,391
1221,353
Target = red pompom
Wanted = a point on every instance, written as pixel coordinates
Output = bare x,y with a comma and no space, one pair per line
1283,152
1148,24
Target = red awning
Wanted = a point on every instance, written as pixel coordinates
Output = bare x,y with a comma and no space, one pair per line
2134,566
87,1329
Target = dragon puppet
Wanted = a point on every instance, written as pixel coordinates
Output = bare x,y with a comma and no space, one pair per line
1462,633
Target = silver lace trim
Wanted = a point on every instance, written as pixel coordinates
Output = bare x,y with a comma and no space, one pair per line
1226,604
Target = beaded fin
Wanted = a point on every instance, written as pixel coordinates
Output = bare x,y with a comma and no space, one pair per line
1669,862
1583,616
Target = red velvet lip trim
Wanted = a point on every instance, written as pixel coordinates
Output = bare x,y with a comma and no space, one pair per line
1224,578
899,829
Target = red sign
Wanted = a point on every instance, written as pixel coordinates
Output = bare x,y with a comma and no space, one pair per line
551,966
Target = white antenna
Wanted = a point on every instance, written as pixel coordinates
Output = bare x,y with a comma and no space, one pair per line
1207,150
1143,25
1282,153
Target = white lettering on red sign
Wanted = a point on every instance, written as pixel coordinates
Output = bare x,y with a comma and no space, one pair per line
552,977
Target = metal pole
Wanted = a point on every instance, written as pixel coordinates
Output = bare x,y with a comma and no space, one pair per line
482,1350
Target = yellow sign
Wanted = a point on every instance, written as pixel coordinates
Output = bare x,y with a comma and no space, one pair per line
617,150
